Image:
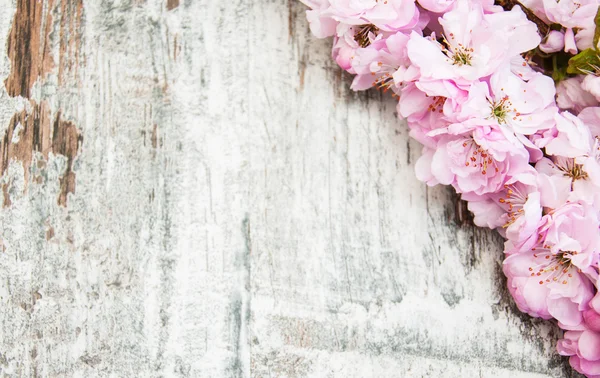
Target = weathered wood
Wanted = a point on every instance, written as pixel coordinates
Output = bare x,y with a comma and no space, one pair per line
191,189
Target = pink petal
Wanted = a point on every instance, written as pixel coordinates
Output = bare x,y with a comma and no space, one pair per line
565,311
589,348
592,319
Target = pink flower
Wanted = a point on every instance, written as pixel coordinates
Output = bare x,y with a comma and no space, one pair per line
525,107
555,278
384,63
584,349
579,160
557,178
321,25
475,43
344,49
548,285
571,13
543,137
520,200
570,95
488,212
423,114
574,138
574,227
359,23
475,158
390,15
516,209
569,179
428,106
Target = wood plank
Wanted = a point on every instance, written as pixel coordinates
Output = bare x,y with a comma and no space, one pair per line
232,209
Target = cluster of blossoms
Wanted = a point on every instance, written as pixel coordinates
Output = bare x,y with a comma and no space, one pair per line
504,97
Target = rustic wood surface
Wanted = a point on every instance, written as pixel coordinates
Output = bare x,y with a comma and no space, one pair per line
190,189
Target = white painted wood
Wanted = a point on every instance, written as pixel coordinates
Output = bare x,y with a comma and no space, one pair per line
270,225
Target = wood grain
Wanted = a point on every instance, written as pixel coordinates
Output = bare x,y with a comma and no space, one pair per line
28,46
238,211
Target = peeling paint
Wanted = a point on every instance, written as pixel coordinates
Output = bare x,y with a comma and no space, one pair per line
6,202
38,134
172,4
29,47
34,135
29,51
50,233
66,141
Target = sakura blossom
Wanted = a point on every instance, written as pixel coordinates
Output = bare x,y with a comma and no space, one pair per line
548,285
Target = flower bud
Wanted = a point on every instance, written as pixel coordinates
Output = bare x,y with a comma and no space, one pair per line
554,42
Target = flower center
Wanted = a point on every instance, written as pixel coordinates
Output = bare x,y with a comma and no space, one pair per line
477,157
459,54
437,104
461,58
386,82
573,170
384,76
552,267
515,200
362,34
500,109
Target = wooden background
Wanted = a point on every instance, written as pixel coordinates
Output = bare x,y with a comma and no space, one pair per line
190,189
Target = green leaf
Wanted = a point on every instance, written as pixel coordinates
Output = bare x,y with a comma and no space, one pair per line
584,62
597,32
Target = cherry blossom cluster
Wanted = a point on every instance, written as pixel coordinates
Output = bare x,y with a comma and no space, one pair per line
504,97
